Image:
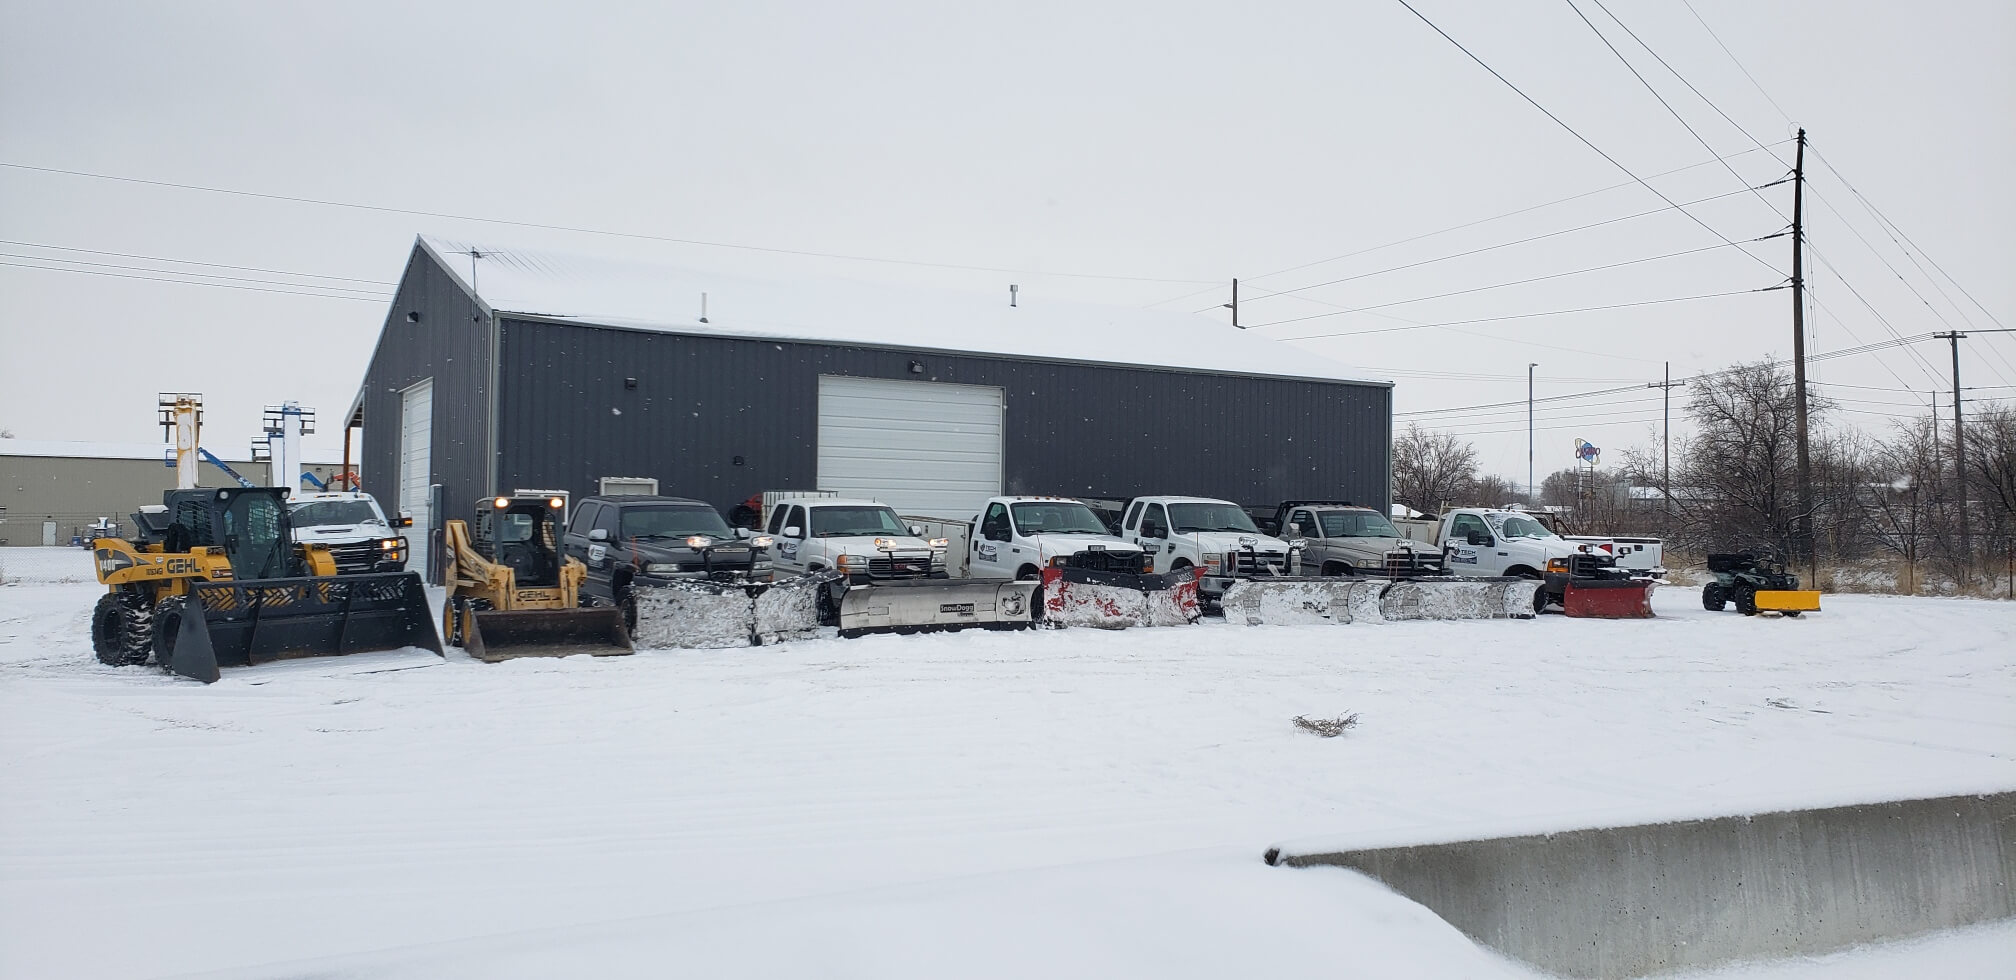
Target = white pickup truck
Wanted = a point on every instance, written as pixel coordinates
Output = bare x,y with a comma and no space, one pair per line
1476,541
863,539
1217,536
1016,537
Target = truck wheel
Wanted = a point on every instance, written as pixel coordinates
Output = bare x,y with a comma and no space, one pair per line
1028,573
1336,568
1713,598
167,624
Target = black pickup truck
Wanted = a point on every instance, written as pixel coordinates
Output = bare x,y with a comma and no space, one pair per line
627,541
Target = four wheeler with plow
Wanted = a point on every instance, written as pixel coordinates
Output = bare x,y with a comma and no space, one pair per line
214,578
512,593
1755,585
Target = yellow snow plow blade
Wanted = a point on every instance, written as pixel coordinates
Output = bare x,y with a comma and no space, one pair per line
1785,600
497,635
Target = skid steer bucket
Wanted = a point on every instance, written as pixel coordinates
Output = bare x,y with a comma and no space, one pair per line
916,605
1300,601
1117,600
238,624
1460,598
1788,601
496,635
1619,598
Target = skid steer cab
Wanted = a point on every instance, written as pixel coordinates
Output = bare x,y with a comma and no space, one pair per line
513,593
213,578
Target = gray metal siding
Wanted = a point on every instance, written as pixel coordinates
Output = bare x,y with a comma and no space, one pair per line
451,344
566,419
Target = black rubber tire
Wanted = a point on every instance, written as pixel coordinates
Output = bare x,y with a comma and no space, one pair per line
167,624
1713,598
108,629
1794,613
1745,597
1028,573
1540,600
1336,569
452,613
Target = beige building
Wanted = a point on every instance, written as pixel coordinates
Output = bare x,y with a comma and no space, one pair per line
51,491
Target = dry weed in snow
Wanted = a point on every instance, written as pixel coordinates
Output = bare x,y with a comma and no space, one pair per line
1327,727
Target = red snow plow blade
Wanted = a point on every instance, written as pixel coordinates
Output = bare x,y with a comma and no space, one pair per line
1111,598
1607,599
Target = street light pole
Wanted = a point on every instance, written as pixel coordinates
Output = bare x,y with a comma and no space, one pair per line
1532,493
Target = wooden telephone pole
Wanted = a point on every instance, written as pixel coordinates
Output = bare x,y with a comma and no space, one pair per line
1666,434
1804,530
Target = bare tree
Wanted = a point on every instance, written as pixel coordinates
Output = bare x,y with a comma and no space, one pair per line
1896,505
1495,491
1431,469
1741,466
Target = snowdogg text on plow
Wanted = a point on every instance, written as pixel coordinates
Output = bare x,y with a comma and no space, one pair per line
214,578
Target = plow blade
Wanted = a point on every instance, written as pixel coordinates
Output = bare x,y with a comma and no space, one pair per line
721,615
1788,601
1460,598
238,624
497,635
1117,600
1301,601
1608,599
936,604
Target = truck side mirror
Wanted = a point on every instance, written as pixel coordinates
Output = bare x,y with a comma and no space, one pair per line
599,534
1480,539
403,520
741,534
1296,530
916,530
794,532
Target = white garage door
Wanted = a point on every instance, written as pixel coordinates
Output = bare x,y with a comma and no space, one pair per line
928,450
416,467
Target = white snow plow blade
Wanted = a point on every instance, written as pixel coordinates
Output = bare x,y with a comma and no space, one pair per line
1460,598
1302,601
917,605
716,615
1118,600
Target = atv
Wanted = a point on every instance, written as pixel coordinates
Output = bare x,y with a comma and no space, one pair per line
1755,585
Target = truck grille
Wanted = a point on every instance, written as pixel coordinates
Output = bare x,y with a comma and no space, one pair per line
1400,564
900,566
356,557
1256,563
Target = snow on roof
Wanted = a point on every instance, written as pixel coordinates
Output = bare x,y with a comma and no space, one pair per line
135,450
623,292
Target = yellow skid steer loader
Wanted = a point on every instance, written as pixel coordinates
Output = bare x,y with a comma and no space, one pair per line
214,579
512,593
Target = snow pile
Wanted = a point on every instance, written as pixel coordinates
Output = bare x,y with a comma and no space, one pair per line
1035,803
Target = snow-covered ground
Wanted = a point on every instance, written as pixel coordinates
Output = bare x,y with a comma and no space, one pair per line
1052,803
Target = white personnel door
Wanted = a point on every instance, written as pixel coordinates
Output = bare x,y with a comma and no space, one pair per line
926,449
416,468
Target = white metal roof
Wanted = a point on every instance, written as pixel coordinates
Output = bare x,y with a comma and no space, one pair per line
624,292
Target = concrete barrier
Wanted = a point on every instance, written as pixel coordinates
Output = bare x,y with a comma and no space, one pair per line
1628,901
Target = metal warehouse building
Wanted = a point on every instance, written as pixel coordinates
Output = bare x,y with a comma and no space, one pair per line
51,491
501,369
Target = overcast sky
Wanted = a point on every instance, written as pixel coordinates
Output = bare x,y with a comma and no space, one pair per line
1184,142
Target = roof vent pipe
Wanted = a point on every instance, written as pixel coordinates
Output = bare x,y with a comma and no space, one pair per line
1011,293
703,307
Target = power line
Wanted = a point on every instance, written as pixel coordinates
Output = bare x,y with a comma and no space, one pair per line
1467,224
1474,251
190,282
1528,316
1498,285
197,275
1675,113
1572,132
1732,60
1885,219
587,231
212,265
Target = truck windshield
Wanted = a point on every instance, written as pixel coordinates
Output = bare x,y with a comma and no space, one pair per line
673,522
855,522
1523,527
1355,524
1058,517
1191,518
330,513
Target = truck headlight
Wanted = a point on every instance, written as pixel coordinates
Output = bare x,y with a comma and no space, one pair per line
1248,541
661,568
1214,562
941,543
761,541
388,544
699,542
1557,564
846,562
1297,544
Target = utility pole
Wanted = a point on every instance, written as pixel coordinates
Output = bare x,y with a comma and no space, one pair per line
1234,305
1805,524
1959,454
1666,433
1532,492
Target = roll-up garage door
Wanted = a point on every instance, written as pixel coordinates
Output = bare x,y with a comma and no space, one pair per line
928,450
416,468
